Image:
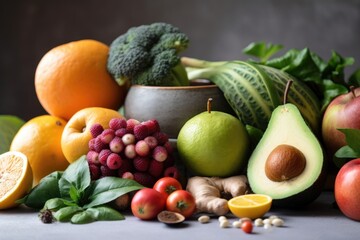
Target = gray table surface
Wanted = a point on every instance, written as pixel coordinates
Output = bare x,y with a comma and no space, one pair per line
320,220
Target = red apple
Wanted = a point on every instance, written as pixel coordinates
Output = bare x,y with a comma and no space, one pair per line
147,203
347,189
342,112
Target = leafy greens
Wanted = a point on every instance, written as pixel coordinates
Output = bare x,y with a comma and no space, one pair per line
326,79
74,197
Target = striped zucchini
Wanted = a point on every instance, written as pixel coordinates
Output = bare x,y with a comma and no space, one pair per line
254,91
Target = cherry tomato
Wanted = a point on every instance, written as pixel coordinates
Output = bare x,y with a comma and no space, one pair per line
181,201
167,185
247,226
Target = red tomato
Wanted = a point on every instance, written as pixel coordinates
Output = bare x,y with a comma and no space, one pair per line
147,203
167,185
181,201
247,226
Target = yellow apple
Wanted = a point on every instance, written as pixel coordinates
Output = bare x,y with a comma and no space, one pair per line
76,135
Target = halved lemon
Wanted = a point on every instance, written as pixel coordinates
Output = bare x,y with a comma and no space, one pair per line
250,205
15,178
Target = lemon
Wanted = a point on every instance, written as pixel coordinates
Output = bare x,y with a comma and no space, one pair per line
213,144
250,205
15,178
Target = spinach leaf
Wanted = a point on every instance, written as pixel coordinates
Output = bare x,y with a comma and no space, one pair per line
109,188
46,189
262,50
325,78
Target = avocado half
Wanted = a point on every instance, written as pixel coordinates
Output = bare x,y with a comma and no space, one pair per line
287,126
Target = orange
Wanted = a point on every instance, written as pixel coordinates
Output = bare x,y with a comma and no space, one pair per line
15,178
76,136
40,140
250,205
74,76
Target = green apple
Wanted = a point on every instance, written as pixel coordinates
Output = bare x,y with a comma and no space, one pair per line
213,144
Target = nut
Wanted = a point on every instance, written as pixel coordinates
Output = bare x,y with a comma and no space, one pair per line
204,219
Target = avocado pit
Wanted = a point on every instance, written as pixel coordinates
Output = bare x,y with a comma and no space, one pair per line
284,163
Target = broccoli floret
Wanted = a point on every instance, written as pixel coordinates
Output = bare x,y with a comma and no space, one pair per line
148,55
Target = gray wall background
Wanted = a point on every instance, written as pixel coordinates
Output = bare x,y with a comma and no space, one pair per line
218,29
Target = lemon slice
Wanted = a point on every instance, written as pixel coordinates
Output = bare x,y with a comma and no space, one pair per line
250,205
15,178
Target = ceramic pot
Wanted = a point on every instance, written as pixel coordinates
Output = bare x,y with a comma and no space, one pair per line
173,106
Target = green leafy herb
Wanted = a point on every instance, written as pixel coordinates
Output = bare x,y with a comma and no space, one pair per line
73,197
9,125
351,150
47,188
326,79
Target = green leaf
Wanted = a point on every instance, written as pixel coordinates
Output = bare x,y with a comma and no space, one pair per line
347,152
330,91
83,217
299,64
47,188
109,188
336,66
66,213
76,176
351,150
262,50
55,204
9,126
104,213
352,137
354,79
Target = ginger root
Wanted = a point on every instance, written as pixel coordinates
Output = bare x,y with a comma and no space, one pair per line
209,191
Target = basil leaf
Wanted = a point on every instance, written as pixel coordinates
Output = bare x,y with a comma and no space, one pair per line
76,175
9,126
64,187
47,188
83,217
109,188
55,204
66,213
104,213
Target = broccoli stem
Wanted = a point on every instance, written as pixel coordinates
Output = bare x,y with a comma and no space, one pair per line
180,76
